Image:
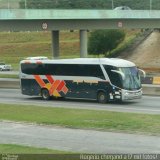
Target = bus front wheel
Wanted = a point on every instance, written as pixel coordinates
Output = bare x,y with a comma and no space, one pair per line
45,94
101,97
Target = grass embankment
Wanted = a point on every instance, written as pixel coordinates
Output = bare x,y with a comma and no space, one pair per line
13,151
9,76
86,119
129,39
15,46
18,149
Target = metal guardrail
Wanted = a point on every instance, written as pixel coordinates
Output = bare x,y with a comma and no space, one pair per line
151,80
153,90
9,83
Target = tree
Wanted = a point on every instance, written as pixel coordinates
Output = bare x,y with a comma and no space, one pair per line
103,41
65,4
88,4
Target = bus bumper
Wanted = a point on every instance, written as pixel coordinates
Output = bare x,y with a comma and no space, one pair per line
129,95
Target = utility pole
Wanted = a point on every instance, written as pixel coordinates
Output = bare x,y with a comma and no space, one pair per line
112,4
8,5
25,4
150,5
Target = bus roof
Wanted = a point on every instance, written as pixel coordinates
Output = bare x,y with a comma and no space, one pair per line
37,58
117,62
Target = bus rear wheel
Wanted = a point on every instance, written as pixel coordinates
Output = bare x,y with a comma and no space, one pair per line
101,97
45,94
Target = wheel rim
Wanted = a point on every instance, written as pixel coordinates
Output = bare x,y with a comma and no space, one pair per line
45,94
102,97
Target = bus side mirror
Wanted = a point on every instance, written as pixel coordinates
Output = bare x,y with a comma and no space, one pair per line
143,72
119,72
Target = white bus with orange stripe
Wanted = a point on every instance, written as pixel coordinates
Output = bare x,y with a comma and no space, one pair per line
102,79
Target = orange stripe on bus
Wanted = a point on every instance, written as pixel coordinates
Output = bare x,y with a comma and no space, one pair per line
40,81
50,79
65,89
54,86
61,85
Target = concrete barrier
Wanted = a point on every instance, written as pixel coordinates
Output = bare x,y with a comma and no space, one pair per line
9,83
148,89
151,89
150,80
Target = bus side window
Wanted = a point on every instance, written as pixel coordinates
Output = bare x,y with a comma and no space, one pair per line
63,70
40,69
115,78
27,68
88,71
60,69
97,72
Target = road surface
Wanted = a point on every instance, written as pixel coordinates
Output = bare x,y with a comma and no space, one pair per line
148,104
76,140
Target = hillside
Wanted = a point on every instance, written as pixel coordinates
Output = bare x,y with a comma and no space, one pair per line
147,54
9,4
15,46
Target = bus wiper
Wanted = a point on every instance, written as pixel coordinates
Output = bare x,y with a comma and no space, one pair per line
119,72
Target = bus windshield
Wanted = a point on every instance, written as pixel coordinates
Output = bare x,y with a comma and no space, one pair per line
124,77
131,79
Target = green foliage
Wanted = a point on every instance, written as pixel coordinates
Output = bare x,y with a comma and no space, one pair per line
89,4
116,52
16,46
18,149
103,41
82,118
16,76
67,4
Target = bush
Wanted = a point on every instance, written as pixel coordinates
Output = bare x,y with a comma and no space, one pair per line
103,41
116,52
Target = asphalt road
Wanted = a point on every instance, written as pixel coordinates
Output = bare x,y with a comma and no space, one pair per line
76,140
148,104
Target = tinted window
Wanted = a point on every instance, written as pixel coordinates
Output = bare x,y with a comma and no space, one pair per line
115,78
33,68
63,70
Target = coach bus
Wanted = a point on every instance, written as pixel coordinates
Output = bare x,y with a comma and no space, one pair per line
101,79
